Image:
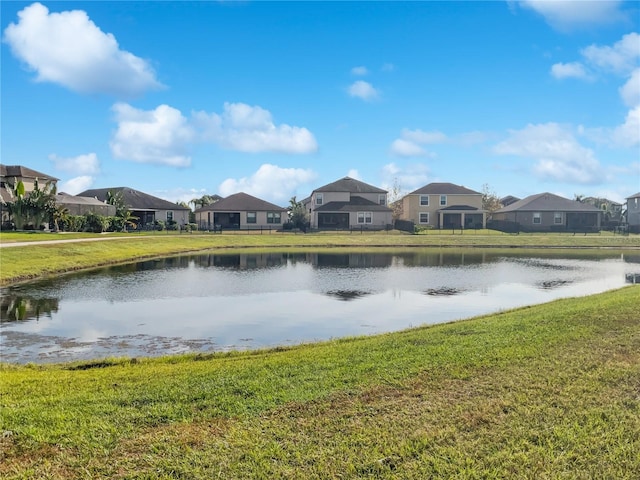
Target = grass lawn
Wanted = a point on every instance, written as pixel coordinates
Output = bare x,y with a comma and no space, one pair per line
550,391
29,261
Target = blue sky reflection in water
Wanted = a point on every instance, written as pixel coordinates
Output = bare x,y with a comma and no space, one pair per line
222,302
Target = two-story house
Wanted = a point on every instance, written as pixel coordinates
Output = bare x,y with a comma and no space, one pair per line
444,205
633,213
348,203
12,174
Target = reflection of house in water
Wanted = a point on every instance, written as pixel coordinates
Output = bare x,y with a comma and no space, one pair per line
351,260
347,295
17,307
242,261
443,259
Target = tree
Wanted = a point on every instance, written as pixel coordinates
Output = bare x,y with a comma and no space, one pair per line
123,214
297,213
204,200
395,200
490,200
60,216
34,208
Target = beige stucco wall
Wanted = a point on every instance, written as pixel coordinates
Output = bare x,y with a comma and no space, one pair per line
411,207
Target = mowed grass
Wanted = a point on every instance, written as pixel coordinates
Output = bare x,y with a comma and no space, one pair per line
29,261
550,391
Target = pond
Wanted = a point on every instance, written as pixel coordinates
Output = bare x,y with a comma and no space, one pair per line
220,302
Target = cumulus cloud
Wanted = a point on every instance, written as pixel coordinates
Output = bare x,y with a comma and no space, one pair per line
407,177
249,128
161,136
363,90
628,134
76,185
569,70
181,194
270,182
620,58
359,70
570,15
82,164
630,91
353,173
558,156
410,142
67,48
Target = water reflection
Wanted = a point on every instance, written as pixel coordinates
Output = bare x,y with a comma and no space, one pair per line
218,302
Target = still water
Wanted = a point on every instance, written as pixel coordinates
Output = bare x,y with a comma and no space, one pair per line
208,303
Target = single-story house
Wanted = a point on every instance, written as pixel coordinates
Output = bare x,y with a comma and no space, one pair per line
147,208
240,211
444,205
348,203
546,212
76,205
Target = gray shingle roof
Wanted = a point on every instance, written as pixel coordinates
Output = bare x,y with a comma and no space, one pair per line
134,199
241,202
356,204
348,184
637,195
547,202
24,172
444,189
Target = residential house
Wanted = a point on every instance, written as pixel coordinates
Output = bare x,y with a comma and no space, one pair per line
12,174
444,205
76,205
508,200
633,213
240,211
546,212
348,203
147,208
611,211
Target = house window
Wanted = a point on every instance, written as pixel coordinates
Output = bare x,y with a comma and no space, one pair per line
424,217
273,217
251,217
557,218
364,217
424,200
319,199
537,220
443,200
382,199
169,216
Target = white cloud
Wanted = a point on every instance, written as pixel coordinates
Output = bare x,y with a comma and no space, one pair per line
159,136
251,129
359,71
630,91
82,164
420,136
407,178
410,141
565,15
388,67
628,134
269,182
353,173
569,70
405,148
181,194
363,90
621,58
76,185
558,155
67,48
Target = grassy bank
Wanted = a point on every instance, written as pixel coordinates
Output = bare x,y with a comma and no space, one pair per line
551,391
31,261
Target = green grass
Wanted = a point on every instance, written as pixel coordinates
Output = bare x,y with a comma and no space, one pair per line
31,261
550,391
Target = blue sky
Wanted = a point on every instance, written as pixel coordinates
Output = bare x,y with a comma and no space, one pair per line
182,99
